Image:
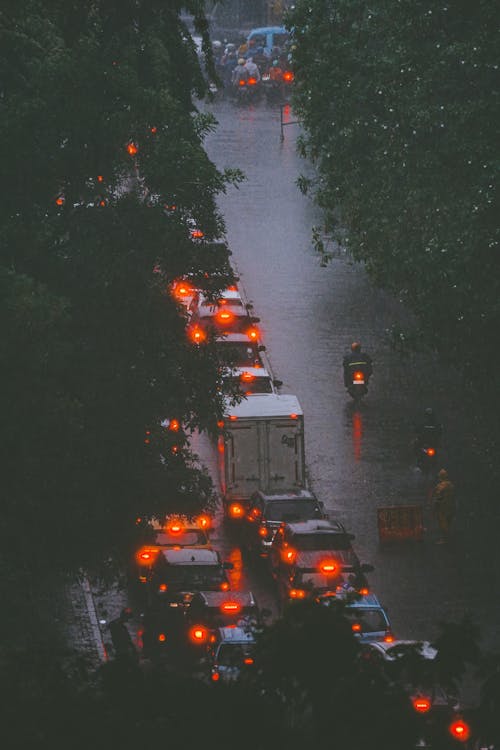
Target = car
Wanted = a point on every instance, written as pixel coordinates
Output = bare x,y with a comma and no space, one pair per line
190,631
231,653
229,297
313,545
176,574
368,619
269,37
267,511
248,381
412,665
227,314
239,350
311,583
172,532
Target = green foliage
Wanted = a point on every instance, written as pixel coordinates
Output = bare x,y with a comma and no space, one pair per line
94,346
400,107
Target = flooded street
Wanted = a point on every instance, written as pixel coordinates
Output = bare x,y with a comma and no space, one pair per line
358,459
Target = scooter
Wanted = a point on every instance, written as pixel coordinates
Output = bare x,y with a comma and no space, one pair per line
358,386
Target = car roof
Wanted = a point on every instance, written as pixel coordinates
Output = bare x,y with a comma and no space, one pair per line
236,635
235,338
368,601
315,526
310,559
191,556
424,648
265,405
290,495
257,372
216,598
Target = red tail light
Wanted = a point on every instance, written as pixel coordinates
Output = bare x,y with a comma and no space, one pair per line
242,82
247,660
175,528
247,377
356,627
197,234
204,522
253,334
263,531
358,375
174,425
230,608
215,677
162,637
198,634
132,148
297,594
236,510
460,730
224,586
146,556
430,451
389,638
364,592
421,705
197,335
162,587
288,76
329,567
288,555
252,81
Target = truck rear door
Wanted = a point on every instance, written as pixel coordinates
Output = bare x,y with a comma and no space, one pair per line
285,454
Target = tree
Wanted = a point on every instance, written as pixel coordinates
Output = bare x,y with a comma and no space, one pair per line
104,178
399,104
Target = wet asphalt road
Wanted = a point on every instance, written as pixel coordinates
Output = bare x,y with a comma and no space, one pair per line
358,459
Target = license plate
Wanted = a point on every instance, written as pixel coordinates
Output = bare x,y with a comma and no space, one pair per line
358,382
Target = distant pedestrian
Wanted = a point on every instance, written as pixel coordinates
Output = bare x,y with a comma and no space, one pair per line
443,498
125,650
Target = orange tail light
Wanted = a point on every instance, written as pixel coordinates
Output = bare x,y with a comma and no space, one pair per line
288,76
230,608
236,510
198,634
430,451
358,375
297,594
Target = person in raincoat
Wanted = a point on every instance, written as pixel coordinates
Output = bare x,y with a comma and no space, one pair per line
443,498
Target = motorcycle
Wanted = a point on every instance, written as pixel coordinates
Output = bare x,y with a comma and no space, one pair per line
358,386
246,89
426,456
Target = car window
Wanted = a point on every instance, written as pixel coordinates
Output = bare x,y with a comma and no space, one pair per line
232,654
371,620
201,577
246,387
292,510
313,542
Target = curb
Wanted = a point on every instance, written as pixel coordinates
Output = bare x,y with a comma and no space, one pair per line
94,623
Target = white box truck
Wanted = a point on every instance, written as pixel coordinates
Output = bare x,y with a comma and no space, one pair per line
261,447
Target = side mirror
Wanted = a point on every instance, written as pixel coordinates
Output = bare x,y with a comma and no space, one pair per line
255,320
321,504
366,568
228,565
261,348
249,306
277,383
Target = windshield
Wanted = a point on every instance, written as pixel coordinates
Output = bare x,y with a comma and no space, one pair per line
292,510
238,353
247,387
199,577
234,324
371,620
316,542
233,654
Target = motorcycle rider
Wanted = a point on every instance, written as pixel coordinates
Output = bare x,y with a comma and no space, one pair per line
240,73
356,361
428,430
252,69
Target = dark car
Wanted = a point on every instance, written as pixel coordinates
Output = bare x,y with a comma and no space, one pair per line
267,512
311,544
311,583
231,653
177,574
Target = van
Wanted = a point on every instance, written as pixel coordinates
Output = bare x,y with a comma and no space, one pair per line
269,37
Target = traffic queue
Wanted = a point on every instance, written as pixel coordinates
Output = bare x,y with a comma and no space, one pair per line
193,619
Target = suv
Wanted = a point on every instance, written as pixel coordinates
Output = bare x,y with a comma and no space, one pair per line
267,512
306,583
176,574
319,545
369,621
231,653
175,532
